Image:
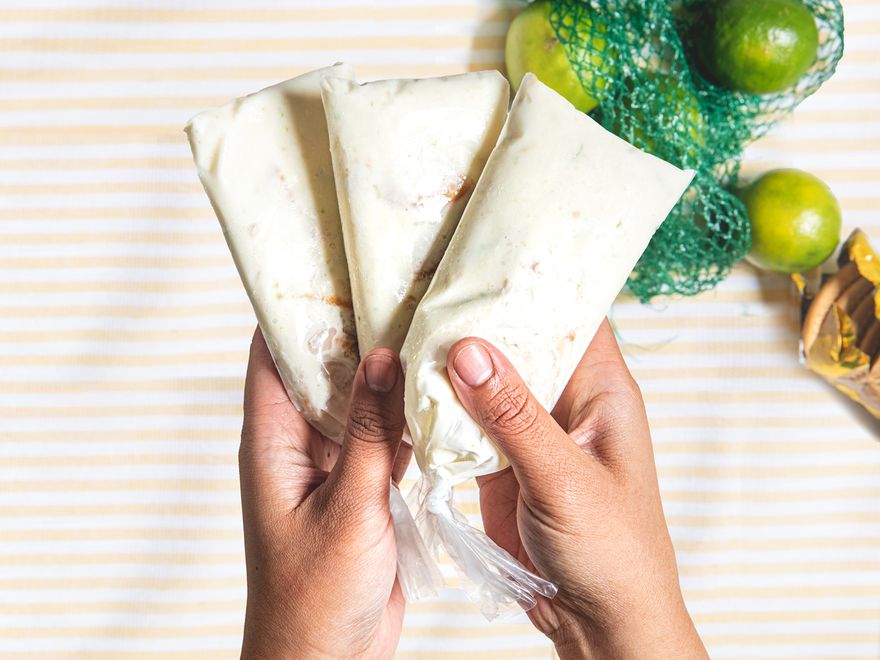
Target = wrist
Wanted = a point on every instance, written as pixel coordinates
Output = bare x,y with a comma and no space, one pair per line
261,643
658,632
275,632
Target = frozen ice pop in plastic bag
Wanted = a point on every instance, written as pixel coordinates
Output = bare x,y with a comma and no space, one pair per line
406,156
264,161
560,216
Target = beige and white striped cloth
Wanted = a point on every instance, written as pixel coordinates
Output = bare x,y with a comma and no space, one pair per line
124,333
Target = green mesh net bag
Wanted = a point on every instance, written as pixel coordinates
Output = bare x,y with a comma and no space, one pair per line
636,57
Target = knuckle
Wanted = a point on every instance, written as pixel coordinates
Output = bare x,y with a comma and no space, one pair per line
633,390
600,416
245,453
251,432
269,420
512,410
608,410
367,424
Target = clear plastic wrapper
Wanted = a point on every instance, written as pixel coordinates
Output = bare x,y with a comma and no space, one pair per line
556,223
492,578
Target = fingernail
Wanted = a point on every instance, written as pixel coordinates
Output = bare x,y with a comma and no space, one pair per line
473,365
381,373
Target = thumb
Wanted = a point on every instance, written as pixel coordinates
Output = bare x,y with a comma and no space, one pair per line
375,427
493,393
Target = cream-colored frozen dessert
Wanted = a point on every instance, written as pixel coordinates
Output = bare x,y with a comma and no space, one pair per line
561,215
264,161
559,218
406,156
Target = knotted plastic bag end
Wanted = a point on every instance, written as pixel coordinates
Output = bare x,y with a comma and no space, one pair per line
491,577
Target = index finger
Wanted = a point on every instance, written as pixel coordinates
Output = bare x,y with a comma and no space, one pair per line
262,385
601,370
266,402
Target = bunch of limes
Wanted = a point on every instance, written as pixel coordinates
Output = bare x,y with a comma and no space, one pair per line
747,46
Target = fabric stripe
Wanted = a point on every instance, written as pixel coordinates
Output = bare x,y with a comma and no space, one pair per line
124,333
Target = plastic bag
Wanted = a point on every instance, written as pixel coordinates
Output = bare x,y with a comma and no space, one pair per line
560,216
264,162
406,155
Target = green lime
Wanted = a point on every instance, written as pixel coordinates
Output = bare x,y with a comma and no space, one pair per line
795,220
532,45
757,46
676,119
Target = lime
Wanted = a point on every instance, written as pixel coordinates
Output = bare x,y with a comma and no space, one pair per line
795,220
532,45
676,119
757,46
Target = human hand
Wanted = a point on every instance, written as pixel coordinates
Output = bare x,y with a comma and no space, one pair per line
319,543
580,504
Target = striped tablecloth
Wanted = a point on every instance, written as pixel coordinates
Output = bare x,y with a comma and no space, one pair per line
124,332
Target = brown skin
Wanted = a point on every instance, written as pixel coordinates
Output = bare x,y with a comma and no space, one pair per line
320,548
580,506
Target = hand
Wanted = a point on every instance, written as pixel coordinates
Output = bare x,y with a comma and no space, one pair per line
319,543
580,503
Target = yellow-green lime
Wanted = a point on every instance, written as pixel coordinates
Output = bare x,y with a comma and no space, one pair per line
795,220
532,45
677,122
757,46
